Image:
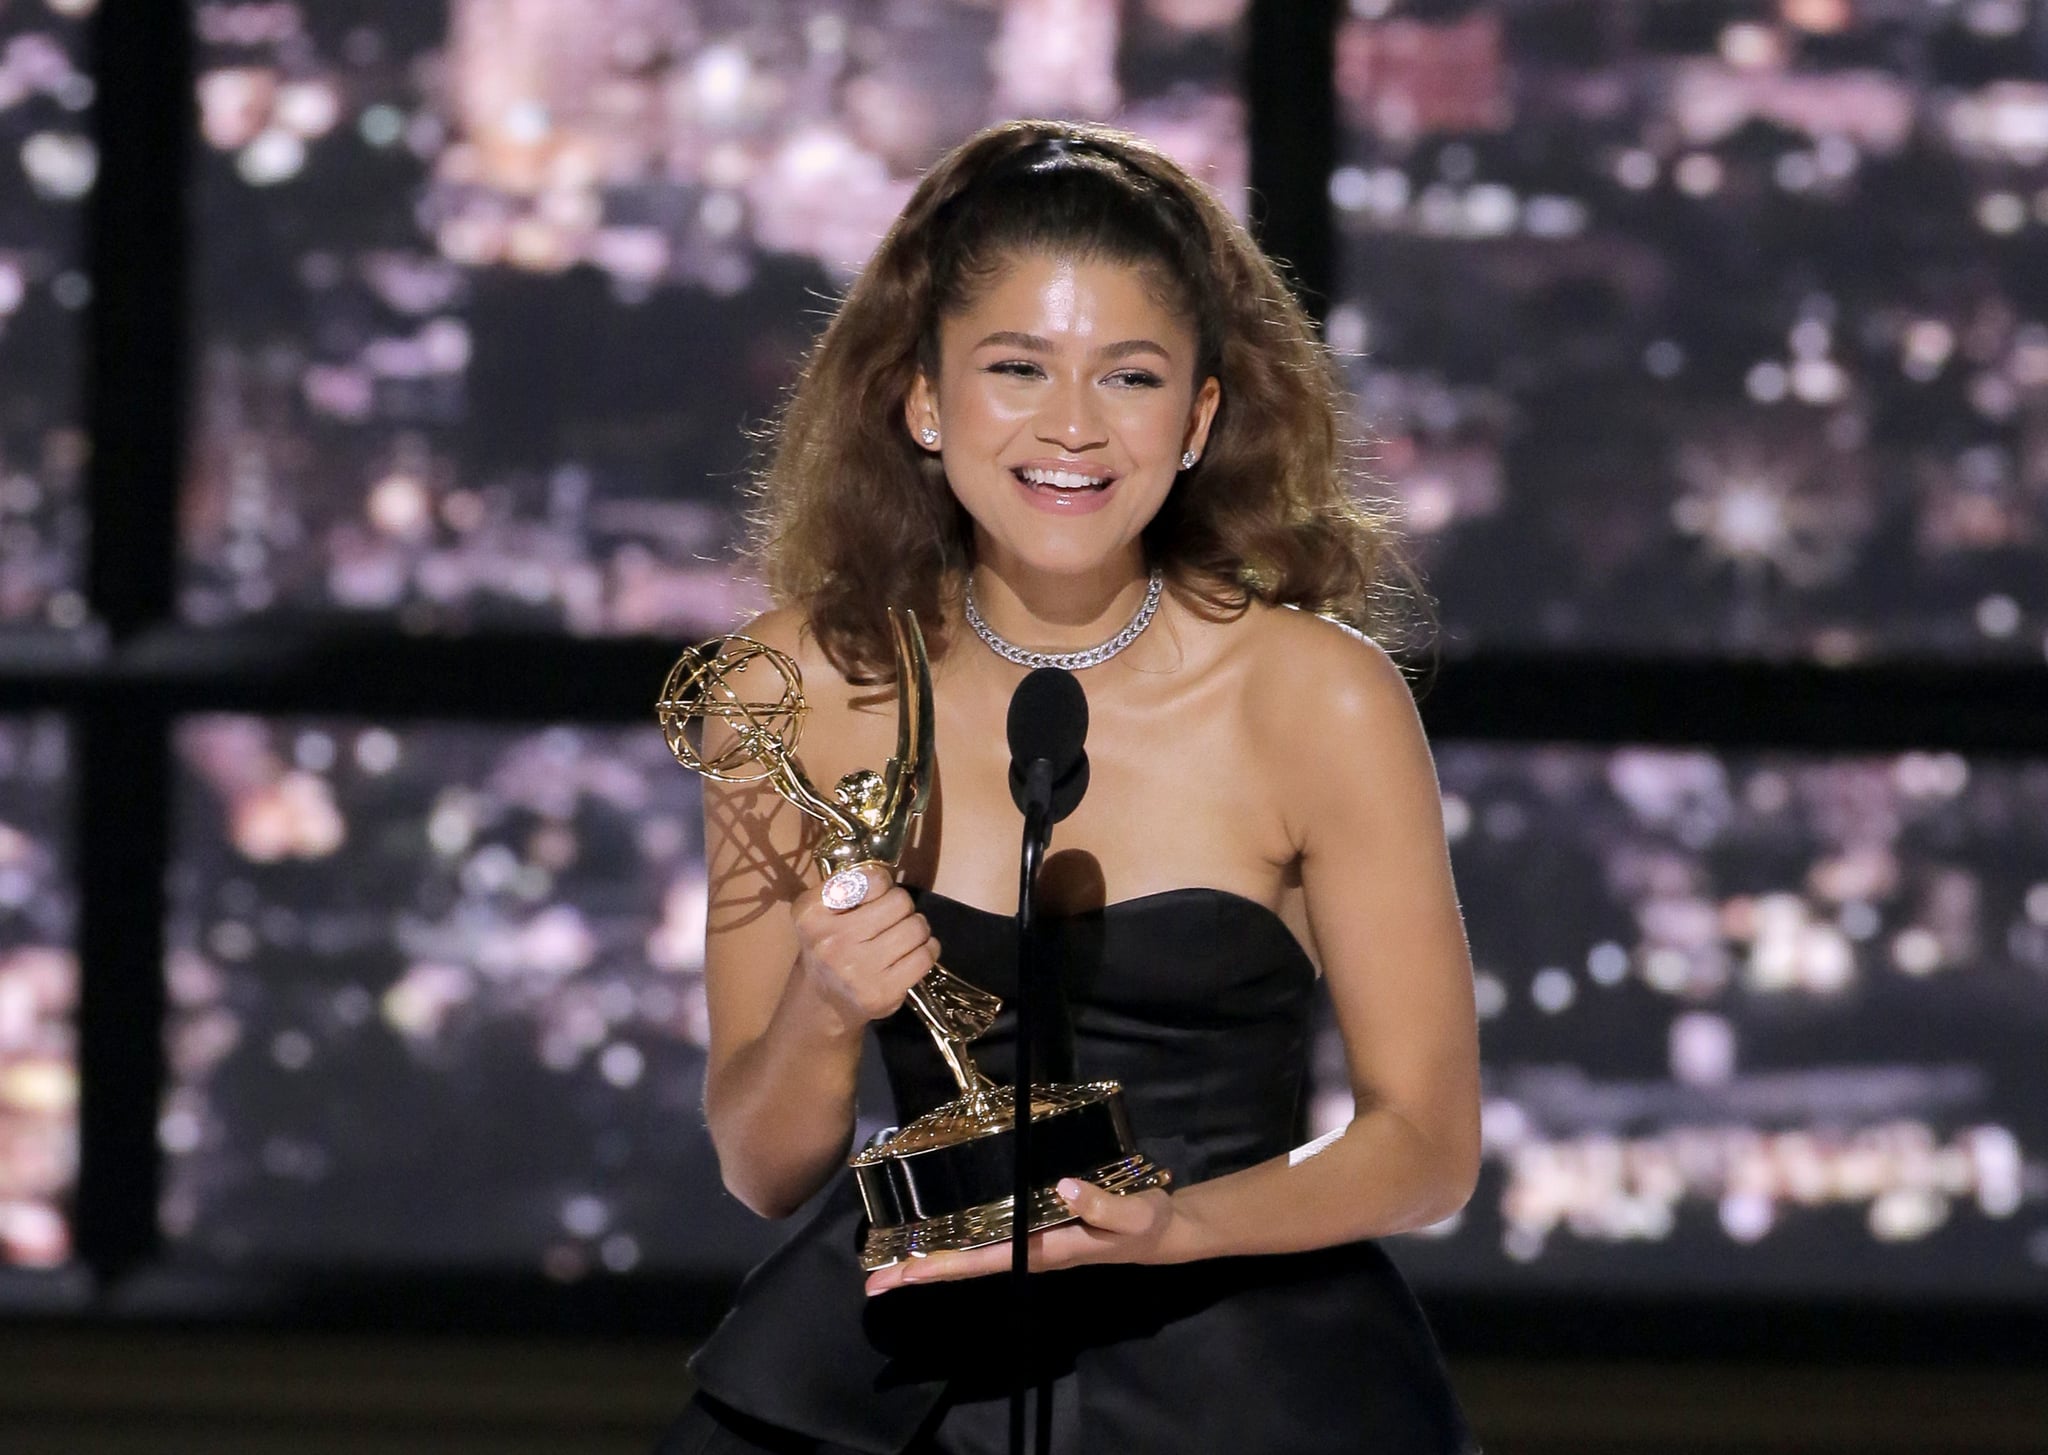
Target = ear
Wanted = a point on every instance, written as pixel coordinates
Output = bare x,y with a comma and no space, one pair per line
1202,415
921,413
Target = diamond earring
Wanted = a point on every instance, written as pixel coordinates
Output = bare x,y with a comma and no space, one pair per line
1187,460
929,435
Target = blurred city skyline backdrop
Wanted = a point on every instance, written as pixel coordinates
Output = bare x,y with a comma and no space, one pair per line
491,293
1750,1020
1688,331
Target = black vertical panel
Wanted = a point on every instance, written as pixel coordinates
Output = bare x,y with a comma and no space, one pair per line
135,253
122,790
1291,92
135,250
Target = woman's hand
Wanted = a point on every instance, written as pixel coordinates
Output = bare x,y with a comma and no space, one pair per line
863,961
1130,1227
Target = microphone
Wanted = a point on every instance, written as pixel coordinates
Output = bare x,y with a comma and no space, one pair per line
1048,723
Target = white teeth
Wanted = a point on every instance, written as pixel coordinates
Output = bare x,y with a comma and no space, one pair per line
1062,479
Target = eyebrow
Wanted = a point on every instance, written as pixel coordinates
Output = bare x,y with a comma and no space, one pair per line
1032,342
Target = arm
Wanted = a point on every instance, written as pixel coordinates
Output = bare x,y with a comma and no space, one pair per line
1377,878
790,986
1354,778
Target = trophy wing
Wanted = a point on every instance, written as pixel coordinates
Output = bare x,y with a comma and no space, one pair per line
908,777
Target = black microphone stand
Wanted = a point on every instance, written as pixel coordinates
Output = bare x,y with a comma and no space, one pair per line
1037,836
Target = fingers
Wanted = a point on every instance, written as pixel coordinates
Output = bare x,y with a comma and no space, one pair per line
821,926
865,959
903,953
854,886
953,1265
881,886
1104,1217
901,939
1105,1210
945,1267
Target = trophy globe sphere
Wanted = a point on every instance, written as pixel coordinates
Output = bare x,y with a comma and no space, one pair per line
715,728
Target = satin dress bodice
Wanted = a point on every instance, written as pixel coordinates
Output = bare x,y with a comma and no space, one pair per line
1199,1002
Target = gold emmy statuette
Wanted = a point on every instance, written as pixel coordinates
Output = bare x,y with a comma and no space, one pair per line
944,1180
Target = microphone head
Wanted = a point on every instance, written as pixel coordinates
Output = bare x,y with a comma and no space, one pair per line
1048,722
1048,719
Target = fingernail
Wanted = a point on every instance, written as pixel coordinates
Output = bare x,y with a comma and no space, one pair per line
1069,1189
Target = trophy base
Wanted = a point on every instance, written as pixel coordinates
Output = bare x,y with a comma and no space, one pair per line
977,1227
946,1180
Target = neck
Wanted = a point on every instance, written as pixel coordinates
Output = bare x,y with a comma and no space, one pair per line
1055,613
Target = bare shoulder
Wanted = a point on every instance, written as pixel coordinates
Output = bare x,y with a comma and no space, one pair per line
839,715
1343,742
1312,671
787,631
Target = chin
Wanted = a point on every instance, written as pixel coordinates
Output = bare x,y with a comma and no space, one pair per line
1077,547
1066,558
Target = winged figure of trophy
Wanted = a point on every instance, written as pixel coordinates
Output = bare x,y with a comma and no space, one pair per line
943,1180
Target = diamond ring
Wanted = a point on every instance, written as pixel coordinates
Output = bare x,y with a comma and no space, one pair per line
846,889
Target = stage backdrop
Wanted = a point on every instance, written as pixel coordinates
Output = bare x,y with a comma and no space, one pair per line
489,293
1753,1022
1686,329
1756,1021
47,166
38,992
1706,327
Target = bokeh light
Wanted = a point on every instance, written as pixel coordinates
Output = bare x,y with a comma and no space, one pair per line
490,294
1750,1021
1702,329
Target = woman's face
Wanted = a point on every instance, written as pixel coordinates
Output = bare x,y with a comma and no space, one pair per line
1065,396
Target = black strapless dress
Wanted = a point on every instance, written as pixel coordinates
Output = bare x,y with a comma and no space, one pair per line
1199,1001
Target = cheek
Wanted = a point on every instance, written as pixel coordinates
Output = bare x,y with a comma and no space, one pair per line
984,412
1162,410
1149,422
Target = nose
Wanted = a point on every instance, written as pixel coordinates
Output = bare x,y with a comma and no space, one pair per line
1071,418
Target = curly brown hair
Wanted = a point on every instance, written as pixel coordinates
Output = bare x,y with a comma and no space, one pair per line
852,517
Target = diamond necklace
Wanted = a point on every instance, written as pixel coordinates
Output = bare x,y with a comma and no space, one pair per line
1069,661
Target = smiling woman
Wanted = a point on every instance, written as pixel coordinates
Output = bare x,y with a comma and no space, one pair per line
1084,417
1070,411
855,512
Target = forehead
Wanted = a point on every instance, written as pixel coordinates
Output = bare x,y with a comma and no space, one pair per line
1056,294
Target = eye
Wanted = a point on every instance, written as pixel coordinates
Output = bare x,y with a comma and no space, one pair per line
1137,379
1015,369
